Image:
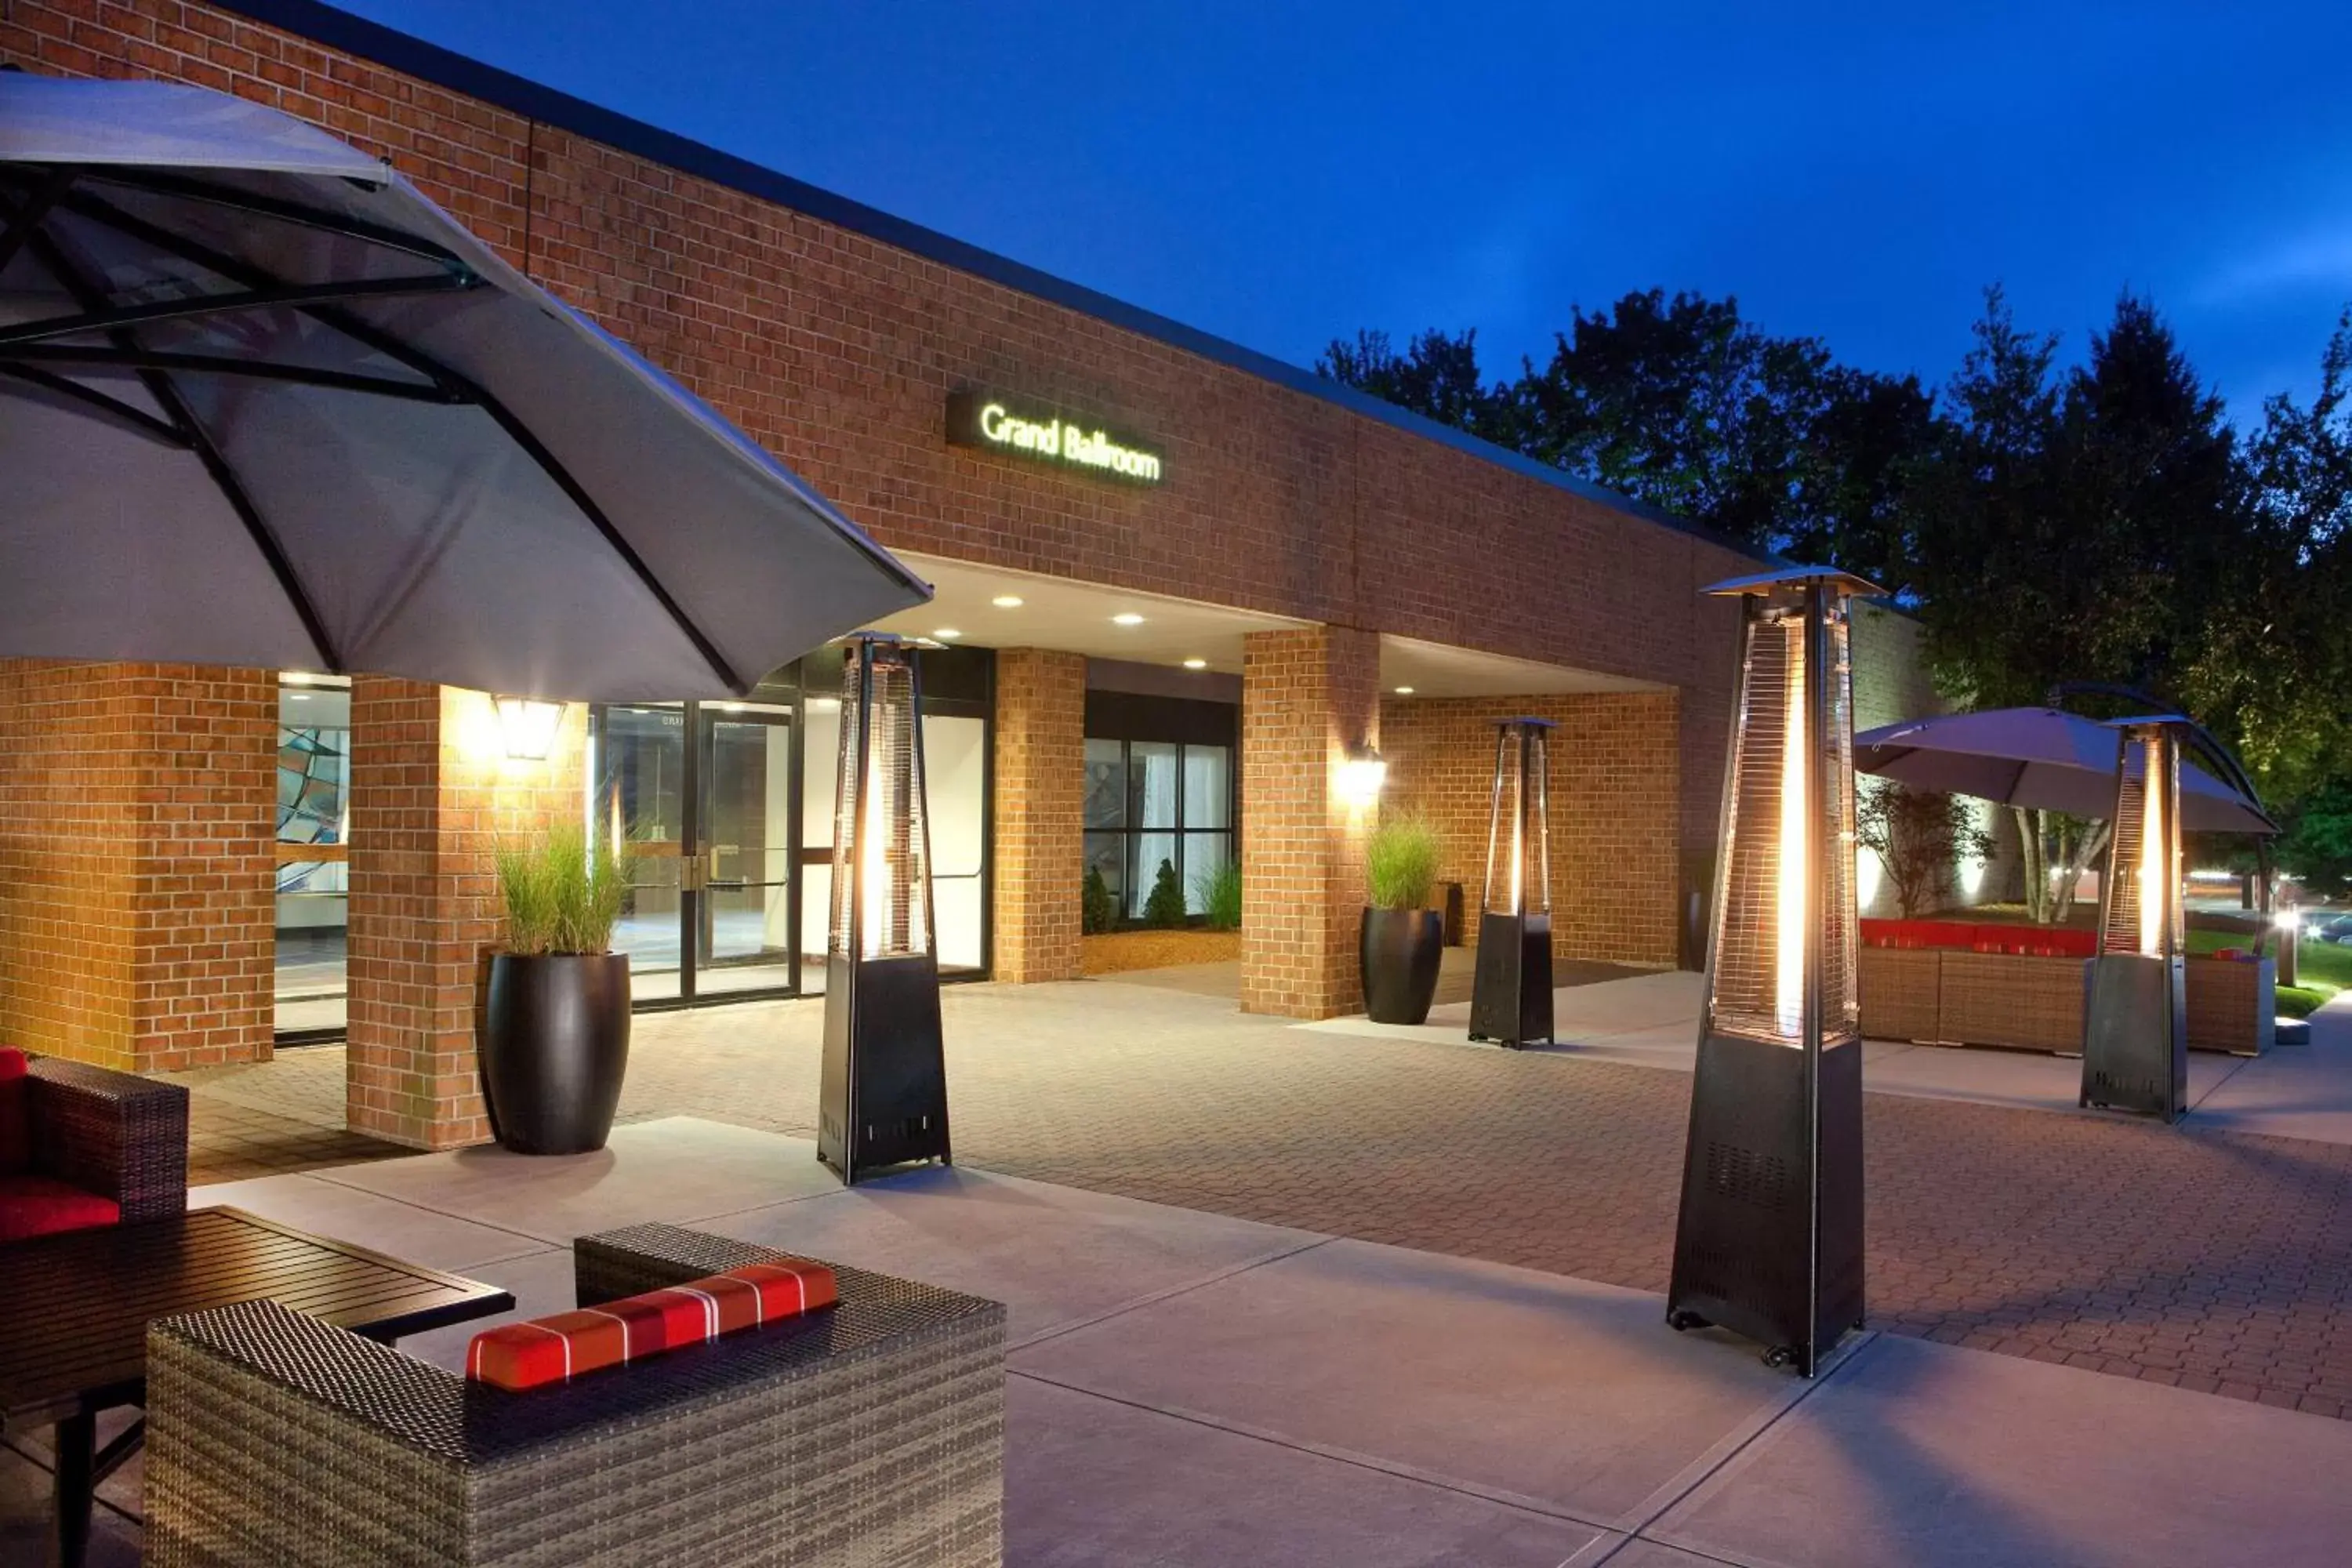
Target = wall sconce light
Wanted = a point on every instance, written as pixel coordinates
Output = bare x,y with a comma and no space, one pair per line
883,1097
1510,996
1768,1240
1361,777
528,726
2135,1028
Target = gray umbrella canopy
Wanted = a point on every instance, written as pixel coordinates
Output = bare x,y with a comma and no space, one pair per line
2041,758
263,404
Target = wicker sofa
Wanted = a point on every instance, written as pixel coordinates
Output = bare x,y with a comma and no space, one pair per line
1948,982
866,1435
81,1145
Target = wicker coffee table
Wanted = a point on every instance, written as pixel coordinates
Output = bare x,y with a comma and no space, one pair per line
76,1308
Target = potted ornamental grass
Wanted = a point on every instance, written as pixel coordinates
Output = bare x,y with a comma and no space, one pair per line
555,1021
1403,939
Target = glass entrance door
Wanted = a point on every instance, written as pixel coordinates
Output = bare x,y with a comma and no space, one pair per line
745,935
705,796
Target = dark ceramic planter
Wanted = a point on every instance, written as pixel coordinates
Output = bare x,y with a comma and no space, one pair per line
554,1047
1401,950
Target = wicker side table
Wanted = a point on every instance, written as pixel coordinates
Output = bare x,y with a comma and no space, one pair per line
869,1434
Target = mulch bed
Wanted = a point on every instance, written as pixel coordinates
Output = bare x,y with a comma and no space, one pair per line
1114,953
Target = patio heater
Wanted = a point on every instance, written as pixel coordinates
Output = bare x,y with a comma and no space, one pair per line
2135,1028
1769,1243
883,1096
1510,1001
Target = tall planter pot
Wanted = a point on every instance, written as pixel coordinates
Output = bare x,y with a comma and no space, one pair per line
554,1048
1401,950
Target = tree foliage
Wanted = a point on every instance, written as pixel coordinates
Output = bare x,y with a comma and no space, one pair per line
2049,521
1918,836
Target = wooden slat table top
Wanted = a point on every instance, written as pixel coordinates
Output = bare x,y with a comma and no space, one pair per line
74,1309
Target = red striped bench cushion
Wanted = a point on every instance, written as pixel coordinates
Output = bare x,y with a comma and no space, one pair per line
520,1356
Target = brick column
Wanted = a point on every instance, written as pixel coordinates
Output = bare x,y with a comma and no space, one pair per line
137,877
1039,814
432,794
1306,697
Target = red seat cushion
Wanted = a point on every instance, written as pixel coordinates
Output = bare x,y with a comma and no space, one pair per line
36,1206
16,1114
555,1349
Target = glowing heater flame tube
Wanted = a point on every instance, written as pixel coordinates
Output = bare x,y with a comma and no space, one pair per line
873,855
1788,969
2154,896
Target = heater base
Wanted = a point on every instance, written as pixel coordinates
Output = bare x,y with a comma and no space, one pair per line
2136,1035
1510,999
884,1095
1769,1242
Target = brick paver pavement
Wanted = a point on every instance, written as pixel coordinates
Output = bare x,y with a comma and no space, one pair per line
2218,1261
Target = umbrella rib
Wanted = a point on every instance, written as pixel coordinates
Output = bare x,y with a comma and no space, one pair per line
224,304
146,424
91,298
23,220
254,277
273,207
134,357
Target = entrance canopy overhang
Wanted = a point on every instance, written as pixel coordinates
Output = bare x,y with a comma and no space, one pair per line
1090,619
994,606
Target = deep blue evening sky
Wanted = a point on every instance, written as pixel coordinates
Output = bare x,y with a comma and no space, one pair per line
1280,173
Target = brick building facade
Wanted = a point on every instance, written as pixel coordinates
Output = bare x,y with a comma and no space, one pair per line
1324,548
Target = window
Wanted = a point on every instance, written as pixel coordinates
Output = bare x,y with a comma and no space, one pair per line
314,735
1149,803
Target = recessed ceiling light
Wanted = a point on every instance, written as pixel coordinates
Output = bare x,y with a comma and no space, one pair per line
1007,601
1196,664
946,634
1404,691
297,697
1126,618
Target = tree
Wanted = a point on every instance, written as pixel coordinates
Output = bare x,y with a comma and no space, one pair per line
1165,905
1097,911
2083,528
1436,376
1681,404
1919,836
2318,846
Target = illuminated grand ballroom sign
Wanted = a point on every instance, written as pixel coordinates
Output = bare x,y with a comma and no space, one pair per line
1020,429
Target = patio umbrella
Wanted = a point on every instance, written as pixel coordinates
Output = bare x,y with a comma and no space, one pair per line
2038,757
264,403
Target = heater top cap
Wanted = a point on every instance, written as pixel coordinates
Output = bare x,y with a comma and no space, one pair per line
1839,581
2147,722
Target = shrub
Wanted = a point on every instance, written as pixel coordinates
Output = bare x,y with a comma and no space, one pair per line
2299,1002
558,899
1401,862
1097,911
1165,907
1219,889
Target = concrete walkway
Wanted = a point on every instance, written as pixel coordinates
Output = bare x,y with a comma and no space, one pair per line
1194,1389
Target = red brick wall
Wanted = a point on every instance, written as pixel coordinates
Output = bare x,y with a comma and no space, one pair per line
431,797
1306,698
137,815
1614,785
1040,850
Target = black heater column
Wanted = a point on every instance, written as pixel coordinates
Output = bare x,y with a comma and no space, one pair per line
1768,1244
1510,1001
883,1096
2135,1028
